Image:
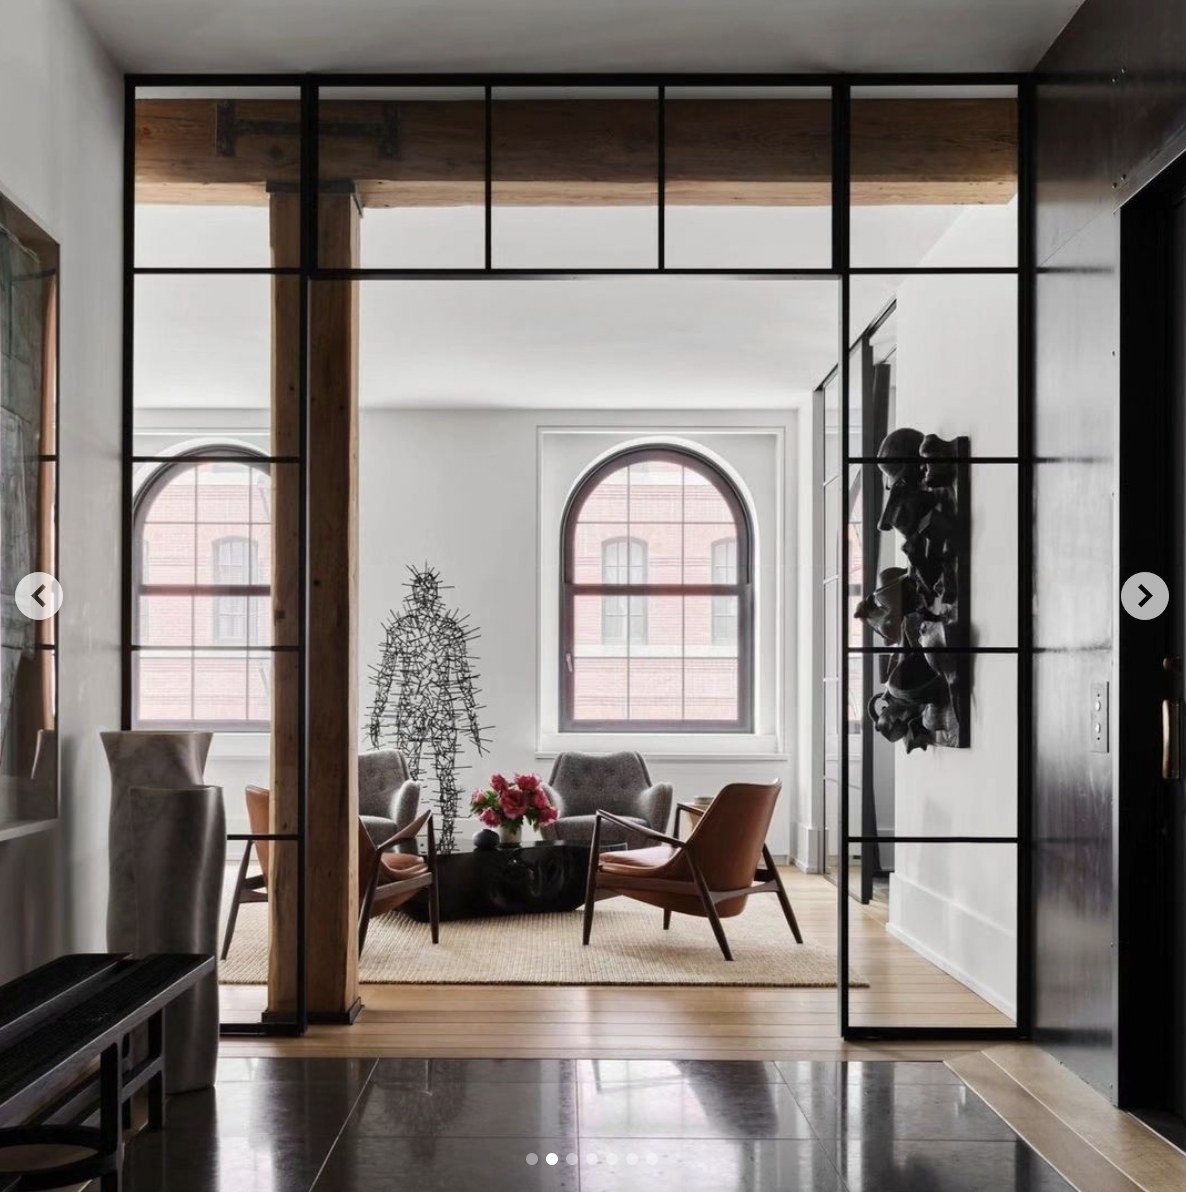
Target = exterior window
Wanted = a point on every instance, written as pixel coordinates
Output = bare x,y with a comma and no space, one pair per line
236,561
623,561
202,582
657,598
724,608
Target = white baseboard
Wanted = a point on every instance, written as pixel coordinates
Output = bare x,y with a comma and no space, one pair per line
809,847
947,934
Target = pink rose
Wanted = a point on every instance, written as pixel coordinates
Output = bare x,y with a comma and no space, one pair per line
499,784
478,801
527,782
540,800
548,815
513,803
490,818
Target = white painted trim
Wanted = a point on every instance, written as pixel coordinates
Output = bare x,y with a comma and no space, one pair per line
631,435
968,925
809,847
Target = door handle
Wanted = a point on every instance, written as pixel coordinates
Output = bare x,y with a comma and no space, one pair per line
1171,739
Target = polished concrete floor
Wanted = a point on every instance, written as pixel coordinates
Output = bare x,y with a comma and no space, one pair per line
289,1125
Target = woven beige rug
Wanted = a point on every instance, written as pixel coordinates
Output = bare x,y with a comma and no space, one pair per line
629,947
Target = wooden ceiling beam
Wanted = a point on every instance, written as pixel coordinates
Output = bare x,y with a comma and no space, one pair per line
755,152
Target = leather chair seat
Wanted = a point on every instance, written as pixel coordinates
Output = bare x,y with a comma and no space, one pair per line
635,859
401,866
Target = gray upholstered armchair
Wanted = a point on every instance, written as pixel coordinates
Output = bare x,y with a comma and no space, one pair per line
584,783
387,796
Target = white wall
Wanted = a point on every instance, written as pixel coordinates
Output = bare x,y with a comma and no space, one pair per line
957,375
458,489
61,141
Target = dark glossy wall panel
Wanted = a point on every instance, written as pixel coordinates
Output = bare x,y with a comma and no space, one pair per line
1111,110
1076,437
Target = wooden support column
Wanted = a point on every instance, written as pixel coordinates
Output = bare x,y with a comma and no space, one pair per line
285,221
332,824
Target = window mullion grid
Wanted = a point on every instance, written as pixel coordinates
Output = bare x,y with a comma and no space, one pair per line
683,600
193,616
629,528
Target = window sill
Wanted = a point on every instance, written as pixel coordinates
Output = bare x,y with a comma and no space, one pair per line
236,746
690,747
13,829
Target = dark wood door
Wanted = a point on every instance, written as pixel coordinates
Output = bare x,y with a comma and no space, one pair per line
1174,859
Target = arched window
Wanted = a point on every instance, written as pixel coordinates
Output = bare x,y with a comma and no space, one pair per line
202,625
656,598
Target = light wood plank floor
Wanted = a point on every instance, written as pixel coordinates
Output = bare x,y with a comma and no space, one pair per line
686,1022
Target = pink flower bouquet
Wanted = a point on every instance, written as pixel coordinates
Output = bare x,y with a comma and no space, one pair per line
507,805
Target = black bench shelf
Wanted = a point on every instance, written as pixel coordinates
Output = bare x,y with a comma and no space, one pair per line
55,1022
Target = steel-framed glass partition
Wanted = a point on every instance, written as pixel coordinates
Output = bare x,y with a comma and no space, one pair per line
488,177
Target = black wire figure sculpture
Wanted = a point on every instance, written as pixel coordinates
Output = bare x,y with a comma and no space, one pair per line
426,694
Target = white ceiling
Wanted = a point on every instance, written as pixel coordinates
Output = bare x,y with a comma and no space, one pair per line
577,35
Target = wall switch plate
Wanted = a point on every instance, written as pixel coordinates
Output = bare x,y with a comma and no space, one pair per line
1098,723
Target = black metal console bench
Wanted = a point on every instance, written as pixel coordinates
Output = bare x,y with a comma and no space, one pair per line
55,1023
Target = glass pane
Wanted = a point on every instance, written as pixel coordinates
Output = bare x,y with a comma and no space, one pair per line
934,176
703,501
831,400
954,363
177,688
205,368
661,557
656,687
600,553
832,496
575,177
710,689
217,177
607,502
957,789
599,688
249,982
710,554
748,178
943,919
945,567
417,156
656,491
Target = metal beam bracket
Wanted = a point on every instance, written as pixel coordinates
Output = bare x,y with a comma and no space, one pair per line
230,126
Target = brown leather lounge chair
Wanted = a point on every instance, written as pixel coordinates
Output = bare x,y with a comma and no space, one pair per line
386,879
711,874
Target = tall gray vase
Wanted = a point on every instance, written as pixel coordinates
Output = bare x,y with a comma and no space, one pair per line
167,853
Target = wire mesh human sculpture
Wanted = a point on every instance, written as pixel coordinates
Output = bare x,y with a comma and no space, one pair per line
426,694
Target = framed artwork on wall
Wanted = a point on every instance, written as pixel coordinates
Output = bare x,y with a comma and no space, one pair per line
28,521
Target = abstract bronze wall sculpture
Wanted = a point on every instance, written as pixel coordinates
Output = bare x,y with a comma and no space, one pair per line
426,694
923,607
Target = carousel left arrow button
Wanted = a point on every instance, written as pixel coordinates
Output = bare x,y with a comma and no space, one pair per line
39,596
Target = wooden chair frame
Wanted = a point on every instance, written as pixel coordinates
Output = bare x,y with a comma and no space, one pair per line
255,889
603,885
407,885
247,889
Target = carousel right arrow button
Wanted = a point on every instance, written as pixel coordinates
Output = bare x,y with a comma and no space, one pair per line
1145,595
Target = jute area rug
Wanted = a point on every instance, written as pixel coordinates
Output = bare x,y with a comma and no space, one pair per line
629,947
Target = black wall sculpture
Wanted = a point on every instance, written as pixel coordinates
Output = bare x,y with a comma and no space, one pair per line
426,694
923,607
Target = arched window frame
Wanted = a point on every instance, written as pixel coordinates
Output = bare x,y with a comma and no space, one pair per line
161,477
742,589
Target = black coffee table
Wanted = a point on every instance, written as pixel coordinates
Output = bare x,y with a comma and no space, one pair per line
532,880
